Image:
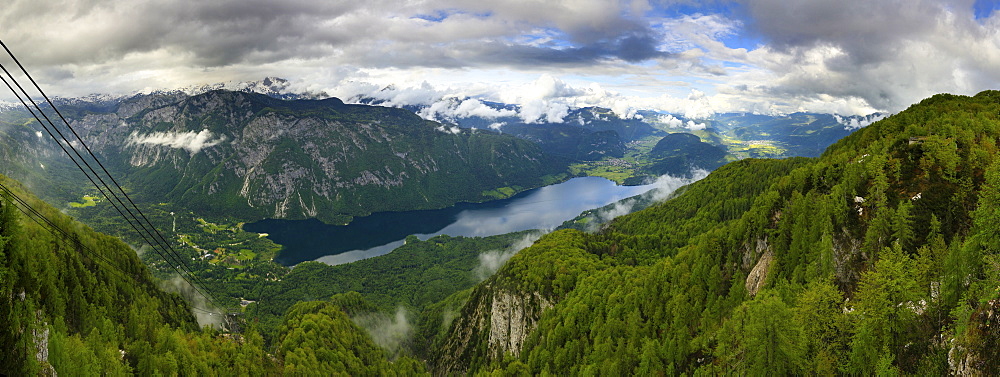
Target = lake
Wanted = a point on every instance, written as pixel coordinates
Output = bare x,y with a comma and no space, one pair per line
541,208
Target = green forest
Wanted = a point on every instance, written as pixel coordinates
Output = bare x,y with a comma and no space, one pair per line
878,257
79,302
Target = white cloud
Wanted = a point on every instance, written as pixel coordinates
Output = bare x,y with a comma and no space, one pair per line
491,261
663,187
191,141
927,47
856,122
670,121
454,130
389,332
691,125
453,108
204,312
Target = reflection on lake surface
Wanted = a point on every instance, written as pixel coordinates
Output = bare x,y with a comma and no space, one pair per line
365,237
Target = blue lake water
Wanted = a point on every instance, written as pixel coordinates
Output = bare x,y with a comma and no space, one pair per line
365,237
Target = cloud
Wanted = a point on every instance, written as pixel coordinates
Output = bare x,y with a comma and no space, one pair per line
856,122
191,141
852,57
378,33
540,110
845,24
454,130
820,49
389,332
203,311
545,99
663,187
691,125
549,99
670,121
452,108
491,261
209,34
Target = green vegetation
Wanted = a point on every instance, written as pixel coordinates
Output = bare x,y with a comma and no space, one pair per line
627,169
412,277
85,304
318,338
754,148
877,258
500,193
96,307
614,169
88,201
676,154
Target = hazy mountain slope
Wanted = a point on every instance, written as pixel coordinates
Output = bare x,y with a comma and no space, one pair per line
36,162
677,153
320,338
797,134
899,217
583,134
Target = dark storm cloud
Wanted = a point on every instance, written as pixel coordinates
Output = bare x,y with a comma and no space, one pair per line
868,30
632,48
890,53
214,33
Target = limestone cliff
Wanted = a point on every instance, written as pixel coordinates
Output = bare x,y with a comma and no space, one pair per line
502,311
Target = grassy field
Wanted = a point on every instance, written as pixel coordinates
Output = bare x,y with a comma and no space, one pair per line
88,201
619,169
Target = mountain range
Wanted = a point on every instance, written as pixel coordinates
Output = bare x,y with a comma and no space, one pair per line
251,156
259,150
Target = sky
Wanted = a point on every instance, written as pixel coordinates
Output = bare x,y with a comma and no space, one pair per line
690,58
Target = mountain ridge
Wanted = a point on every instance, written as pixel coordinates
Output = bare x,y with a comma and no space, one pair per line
893,218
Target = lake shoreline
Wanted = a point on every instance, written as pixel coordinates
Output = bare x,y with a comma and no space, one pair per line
544,207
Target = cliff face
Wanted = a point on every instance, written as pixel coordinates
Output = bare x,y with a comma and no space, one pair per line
502,311
495,322
255,156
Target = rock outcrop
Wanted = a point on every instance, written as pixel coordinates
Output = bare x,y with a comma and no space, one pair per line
252,156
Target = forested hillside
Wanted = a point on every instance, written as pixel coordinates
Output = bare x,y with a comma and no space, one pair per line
878,257
76,302
678,153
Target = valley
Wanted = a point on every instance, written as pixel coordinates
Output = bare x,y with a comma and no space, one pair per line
436,271
501,188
